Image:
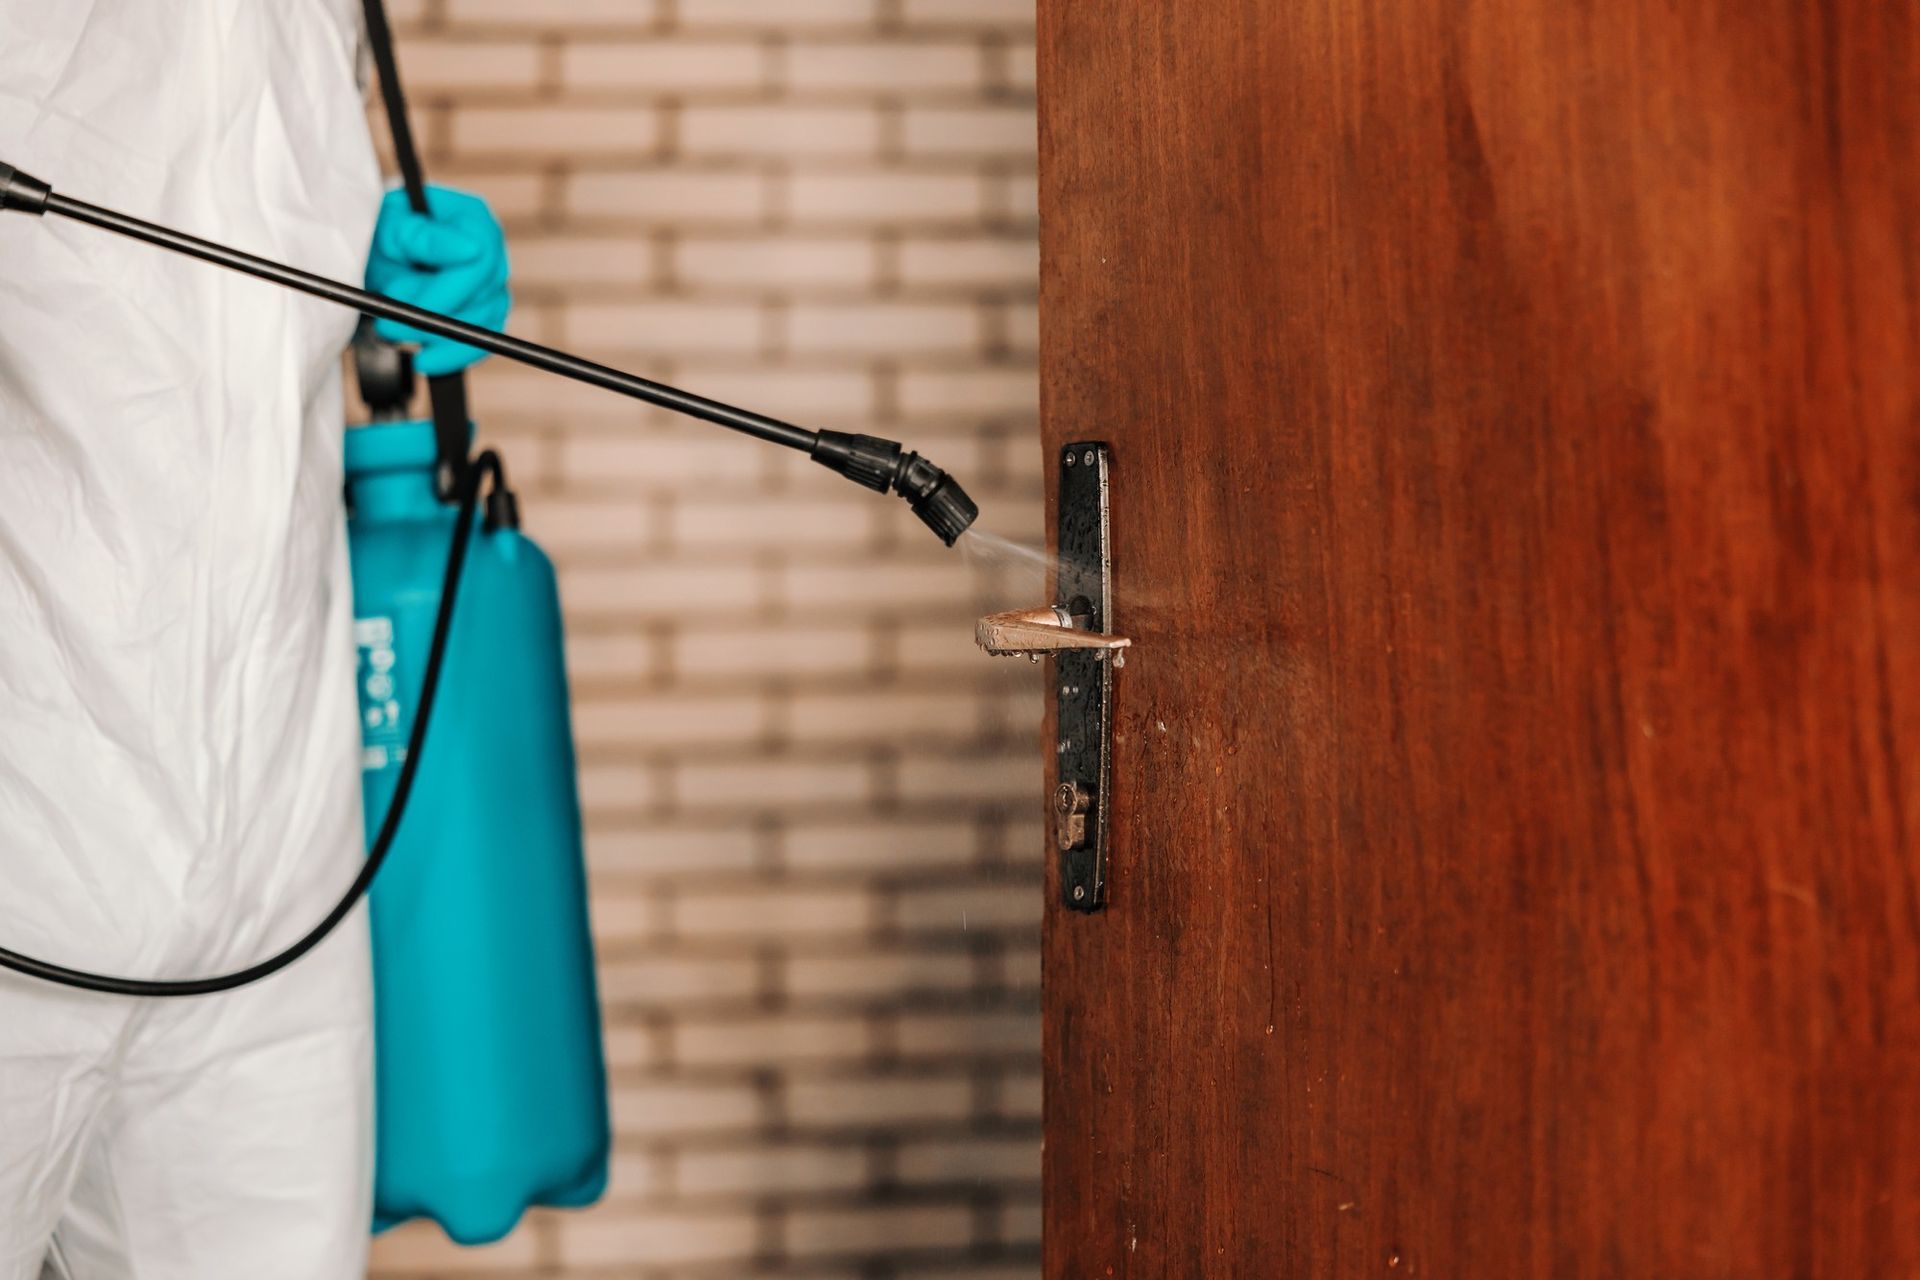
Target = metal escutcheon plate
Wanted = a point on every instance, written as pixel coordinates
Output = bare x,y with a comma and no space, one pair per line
1083,679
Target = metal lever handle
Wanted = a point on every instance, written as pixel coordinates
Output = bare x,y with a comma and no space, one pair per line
1050,629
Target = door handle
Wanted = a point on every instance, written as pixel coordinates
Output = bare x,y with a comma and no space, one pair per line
1037,632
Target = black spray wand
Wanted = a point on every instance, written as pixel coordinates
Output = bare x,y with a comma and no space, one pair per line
878,464
882,465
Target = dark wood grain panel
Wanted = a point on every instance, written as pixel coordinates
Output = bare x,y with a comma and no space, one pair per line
1517,513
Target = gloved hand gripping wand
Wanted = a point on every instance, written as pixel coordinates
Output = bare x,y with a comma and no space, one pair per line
881,465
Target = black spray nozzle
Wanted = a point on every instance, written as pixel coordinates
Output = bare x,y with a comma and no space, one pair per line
883,465
937,498
22,192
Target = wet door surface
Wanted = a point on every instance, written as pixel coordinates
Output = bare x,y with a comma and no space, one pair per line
1516,510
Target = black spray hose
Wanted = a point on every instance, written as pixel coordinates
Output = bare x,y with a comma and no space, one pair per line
487,464
448,392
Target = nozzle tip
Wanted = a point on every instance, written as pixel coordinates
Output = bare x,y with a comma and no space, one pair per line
22,191
947,510
936,497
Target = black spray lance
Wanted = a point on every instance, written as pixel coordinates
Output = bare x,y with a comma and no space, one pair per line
881,465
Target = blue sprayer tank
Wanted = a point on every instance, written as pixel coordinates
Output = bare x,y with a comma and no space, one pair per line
491,1077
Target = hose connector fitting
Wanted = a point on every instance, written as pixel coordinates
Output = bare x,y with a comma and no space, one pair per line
884,465
22,192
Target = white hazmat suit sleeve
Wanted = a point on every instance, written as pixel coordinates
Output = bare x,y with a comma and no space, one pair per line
179,790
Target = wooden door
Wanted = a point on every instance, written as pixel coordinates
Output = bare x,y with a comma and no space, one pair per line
1516,509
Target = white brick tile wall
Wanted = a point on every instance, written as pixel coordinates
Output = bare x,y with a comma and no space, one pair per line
900,67
664,66
779,132
665,196
567,264
534,133
775,263
779,15
996,15
914,974
813,807
659,1237
655,1108
990,1160
772,911
969,131
703,328
877,1103
889,198
478,66
572,15
673,981
976,263
883,328
773,1169
789,1038
859,1230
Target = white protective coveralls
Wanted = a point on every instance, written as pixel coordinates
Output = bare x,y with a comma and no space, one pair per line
179,787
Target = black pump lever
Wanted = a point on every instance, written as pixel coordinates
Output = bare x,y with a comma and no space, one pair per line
882,465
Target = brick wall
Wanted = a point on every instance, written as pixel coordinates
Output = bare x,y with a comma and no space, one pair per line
813,807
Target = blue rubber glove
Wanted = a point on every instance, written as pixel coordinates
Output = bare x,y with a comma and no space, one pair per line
454,262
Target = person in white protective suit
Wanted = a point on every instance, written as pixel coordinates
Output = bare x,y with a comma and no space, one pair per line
179,785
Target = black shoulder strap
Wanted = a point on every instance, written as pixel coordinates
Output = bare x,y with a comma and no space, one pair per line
448,393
